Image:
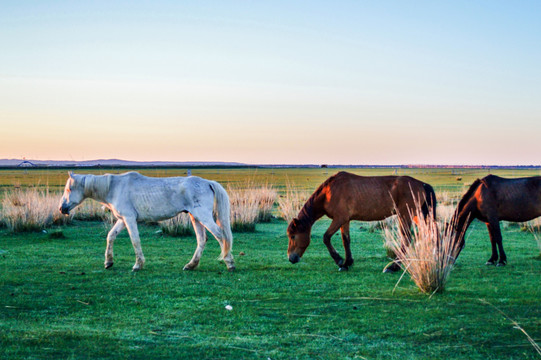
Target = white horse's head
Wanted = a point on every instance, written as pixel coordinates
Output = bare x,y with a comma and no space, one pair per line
73,193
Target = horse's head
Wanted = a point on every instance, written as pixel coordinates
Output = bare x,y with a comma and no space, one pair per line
299,239
73,193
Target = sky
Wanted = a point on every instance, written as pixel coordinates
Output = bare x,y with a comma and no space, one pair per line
272,82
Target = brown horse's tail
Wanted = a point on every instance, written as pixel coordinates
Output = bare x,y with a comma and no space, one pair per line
429,206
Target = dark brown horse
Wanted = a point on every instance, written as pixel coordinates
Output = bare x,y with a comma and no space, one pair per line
344,197
492,199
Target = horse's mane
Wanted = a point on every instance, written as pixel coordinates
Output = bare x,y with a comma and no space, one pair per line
96,186
306,216
468,195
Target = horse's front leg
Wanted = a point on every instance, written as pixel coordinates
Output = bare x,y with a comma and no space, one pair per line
335,225
346,240
131,225
111,236
495,234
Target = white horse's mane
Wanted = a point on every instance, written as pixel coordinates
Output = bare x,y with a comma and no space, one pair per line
96,186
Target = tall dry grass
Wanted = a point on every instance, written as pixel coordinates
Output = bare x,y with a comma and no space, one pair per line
244,209
266,196
431,255
534,226
291,202
31,209
250,204
34,209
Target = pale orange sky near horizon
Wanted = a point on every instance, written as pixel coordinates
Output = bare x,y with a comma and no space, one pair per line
347,84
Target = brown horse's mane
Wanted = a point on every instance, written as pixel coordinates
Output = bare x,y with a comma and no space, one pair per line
468,195
306,216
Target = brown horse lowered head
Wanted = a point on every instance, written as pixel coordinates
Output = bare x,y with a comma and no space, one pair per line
492,199
344,197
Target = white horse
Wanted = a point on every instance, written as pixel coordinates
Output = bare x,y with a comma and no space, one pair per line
132,197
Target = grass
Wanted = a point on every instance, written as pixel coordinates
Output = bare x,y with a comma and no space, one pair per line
57,301
431,255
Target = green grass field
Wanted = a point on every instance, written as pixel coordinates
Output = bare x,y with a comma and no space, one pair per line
57,301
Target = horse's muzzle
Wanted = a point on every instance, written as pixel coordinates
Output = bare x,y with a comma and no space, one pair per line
294,258
64,209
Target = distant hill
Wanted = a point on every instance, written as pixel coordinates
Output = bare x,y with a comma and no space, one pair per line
186,164
108,163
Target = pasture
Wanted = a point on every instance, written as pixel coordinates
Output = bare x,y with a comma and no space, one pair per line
57,300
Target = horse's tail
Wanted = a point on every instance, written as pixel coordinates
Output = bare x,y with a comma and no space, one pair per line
222,213
429,206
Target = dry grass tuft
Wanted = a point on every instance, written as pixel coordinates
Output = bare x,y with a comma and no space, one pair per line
244,209
291,202
534,226
31,209
430,257
266,196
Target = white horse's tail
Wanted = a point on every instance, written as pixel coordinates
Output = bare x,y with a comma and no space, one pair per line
222,212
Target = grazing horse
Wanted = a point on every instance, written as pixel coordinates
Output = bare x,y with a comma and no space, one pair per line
493,199
344,197
132,197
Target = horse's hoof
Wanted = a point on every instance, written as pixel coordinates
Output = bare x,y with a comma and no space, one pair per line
489,263
392,268
340,262
501,264
187,268
108,265
343,268
231,269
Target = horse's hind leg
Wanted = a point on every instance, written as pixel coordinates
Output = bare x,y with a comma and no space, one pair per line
495,234
346,240
111,236
209,223
131,225
201,235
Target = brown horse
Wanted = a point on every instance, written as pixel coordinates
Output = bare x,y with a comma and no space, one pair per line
492,199
344,197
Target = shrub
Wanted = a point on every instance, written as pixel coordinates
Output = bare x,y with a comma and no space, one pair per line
431,255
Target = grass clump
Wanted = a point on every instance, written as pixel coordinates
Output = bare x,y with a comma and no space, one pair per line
534,227
31,209
431,254
244,209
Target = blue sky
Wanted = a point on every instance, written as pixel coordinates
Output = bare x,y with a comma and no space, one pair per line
272,82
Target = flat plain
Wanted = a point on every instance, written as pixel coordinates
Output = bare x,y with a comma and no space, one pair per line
57,300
